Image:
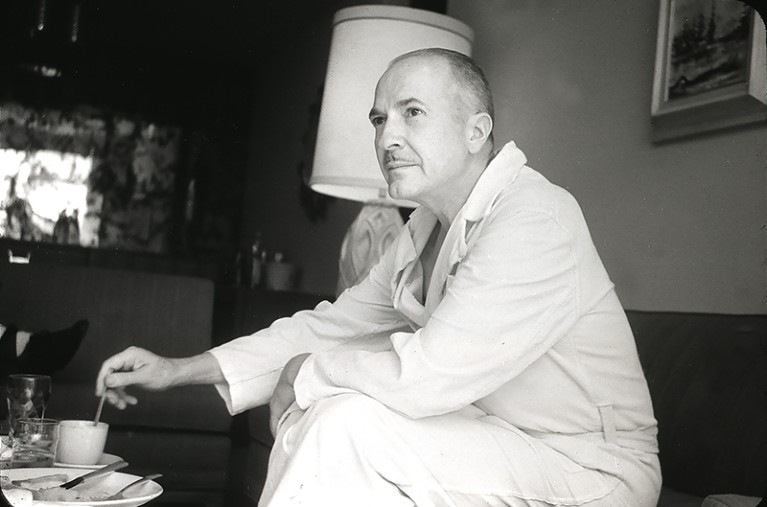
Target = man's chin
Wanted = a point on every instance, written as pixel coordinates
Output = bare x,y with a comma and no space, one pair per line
397,192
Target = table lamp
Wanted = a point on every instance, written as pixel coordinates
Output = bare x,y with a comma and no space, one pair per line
365,40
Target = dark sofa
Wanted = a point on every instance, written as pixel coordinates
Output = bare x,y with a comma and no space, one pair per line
708,380
183,433
707,375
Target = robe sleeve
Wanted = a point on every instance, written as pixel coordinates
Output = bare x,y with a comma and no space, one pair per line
252,364
512,298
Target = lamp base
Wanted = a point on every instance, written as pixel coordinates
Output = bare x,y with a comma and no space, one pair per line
365,241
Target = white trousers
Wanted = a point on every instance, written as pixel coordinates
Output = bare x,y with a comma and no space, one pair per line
350,450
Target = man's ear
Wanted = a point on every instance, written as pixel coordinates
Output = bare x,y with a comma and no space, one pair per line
480,126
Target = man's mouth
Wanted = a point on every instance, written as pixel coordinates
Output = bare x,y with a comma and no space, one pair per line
396,164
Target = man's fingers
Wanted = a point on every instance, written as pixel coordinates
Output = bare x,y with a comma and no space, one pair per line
274,419
118,371
274,405
127,398
273,408
284,395
115,400
105,370
124,361
276,409
117,379
120,399
282,398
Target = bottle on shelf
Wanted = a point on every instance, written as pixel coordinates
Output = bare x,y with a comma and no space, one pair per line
257,258
280,275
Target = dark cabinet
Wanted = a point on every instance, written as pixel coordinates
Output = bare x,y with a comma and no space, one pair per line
241,311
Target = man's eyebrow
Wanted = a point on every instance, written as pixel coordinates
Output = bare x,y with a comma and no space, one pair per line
375,113
400,103
409,100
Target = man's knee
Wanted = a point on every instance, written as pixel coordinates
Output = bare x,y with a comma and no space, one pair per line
350,416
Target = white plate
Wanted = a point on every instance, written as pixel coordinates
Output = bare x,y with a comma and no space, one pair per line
101,486
104,460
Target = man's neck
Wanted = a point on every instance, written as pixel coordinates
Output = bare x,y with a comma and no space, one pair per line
430,253
449,209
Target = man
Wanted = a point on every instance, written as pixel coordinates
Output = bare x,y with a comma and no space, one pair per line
485,360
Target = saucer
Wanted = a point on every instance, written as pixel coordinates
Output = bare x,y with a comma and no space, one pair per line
104,460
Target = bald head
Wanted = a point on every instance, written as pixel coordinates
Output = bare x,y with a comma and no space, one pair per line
470,80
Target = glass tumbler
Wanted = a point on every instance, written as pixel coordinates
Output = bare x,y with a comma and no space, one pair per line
34,443
27,396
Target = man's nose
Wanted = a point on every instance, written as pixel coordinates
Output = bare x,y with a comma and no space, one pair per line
390,135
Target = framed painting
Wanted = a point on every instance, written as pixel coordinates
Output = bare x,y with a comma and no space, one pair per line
710,68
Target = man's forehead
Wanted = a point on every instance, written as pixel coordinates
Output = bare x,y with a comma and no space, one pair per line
416,75
418,64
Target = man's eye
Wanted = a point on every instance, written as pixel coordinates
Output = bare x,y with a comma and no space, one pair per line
414,111
376,121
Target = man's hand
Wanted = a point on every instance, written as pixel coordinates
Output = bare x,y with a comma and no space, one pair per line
284,395
134,366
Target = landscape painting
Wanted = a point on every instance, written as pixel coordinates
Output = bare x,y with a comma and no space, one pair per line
709,72
709,46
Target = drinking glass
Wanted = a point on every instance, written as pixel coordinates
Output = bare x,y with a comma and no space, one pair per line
27,396
34,443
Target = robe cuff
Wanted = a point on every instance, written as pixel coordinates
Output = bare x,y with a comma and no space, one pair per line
240,391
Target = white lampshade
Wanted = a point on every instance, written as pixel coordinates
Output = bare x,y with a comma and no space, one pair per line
365,40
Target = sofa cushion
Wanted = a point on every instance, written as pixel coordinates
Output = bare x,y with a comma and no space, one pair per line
707,376
672,498
730,501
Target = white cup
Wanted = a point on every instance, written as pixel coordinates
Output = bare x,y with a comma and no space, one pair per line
81,442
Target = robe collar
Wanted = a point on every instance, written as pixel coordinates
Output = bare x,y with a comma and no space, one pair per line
407,284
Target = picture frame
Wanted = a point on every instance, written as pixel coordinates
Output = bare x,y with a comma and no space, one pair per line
710,68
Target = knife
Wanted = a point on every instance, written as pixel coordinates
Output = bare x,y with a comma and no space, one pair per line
117,465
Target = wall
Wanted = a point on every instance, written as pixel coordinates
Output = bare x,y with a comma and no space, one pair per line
281,118
285,94
680,226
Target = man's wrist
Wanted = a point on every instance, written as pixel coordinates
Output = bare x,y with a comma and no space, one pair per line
199,369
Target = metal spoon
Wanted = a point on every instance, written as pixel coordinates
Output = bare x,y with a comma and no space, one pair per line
98,410
120,493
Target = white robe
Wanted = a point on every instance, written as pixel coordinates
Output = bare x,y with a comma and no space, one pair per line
521,323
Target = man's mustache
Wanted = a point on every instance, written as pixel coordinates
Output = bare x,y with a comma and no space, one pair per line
392,161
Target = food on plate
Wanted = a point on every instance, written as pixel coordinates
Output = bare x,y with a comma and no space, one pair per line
44,481
46,488
57,494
